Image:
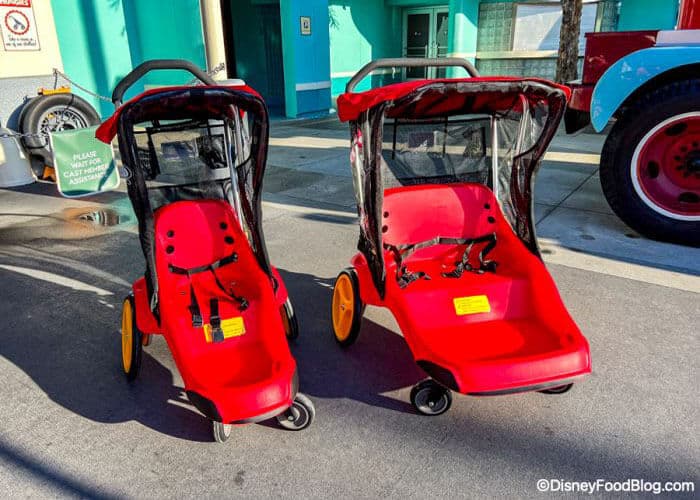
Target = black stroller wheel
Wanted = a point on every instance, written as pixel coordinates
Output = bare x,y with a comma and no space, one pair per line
298,416
430,398
557,390
220,431
289,320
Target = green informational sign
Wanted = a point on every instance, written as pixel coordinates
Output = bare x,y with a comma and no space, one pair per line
84,165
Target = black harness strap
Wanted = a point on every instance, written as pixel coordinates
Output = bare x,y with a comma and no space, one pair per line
194,309
200,269
484,265
217,334
401,252
243,303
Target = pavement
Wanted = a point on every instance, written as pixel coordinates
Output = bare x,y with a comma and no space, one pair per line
70,425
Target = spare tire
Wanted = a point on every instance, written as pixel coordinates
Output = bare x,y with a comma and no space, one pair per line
53,113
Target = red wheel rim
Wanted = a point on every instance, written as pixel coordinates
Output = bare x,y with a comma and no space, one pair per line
666,167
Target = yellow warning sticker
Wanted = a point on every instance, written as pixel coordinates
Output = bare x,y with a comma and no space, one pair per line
231,327
472,305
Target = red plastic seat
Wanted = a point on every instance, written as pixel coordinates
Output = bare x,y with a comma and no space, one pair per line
248,373
527,339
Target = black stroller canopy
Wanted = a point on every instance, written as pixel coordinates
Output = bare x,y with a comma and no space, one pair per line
491,131
189,143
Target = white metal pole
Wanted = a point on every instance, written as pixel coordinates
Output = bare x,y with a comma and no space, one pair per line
213,30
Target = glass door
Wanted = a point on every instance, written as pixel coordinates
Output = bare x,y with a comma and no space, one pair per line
425,34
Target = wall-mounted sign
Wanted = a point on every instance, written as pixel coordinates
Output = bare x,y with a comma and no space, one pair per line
305,22
18,25
84,165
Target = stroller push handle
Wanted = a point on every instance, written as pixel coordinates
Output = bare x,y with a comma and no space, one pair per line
411,62
155,64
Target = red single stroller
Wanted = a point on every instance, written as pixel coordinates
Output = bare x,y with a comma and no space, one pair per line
444,177
194,158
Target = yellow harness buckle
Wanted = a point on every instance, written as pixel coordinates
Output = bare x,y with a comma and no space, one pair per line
231,327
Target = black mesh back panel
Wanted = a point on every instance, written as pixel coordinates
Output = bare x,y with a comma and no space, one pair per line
452,149
451,132
185,144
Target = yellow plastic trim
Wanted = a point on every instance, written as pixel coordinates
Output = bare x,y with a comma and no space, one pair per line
59,90
127,335
343,307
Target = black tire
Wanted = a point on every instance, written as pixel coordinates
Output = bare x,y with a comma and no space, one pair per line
134,353
298,416
220,431
557,390
289,320
347,338
635,122
78,112
430,398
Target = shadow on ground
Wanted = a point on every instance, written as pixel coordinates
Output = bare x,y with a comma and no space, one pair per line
67,341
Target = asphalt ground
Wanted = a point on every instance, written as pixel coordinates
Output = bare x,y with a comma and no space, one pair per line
70,425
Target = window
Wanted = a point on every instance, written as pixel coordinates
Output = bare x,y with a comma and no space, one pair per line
537,26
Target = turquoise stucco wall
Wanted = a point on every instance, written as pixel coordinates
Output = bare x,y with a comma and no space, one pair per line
464,19
306,57
101,41
165,30
647,14
94,46
360,31
363,30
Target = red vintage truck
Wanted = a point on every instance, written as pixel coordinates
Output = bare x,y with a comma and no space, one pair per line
649,83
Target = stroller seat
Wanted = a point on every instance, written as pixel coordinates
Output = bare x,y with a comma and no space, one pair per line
501,329
205,238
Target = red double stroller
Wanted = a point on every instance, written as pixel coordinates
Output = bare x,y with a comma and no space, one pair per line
444,173
194,158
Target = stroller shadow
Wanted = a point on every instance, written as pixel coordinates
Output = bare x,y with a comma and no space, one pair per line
379,361
62,326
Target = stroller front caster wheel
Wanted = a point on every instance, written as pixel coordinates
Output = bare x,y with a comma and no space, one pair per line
430,398
289,320
132,340
220,431
557,390
346,308
298,416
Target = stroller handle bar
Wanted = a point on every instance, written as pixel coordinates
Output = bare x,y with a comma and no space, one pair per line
155,64
411,62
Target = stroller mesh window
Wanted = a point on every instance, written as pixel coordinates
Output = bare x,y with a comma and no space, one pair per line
181,153
449,149
183,160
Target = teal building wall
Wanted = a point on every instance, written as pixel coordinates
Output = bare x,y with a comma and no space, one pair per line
94,46
101,41
306,57
647,15
360,31
164,30
363,30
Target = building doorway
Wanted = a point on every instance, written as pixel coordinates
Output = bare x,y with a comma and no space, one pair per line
425,34
253,41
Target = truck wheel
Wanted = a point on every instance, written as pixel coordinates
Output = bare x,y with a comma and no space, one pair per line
650,164
53,113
